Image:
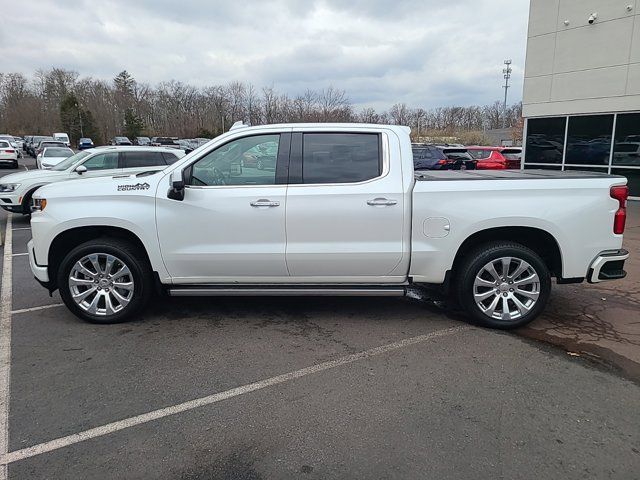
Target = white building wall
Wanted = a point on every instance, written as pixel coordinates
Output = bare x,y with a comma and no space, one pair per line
582,68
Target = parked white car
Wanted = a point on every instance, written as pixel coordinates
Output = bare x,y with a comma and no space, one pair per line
14,143
8,154
341,212
52,156
16,189
62,137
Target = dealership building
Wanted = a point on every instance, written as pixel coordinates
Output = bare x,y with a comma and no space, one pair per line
581,99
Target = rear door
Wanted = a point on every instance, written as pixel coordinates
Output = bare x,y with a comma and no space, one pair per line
344,208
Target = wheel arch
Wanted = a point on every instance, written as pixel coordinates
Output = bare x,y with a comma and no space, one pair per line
66,241
540,241
29,193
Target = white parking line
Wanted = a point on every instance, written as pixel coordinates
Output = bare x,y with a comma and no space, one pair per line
25,167
5,345
35,309
217,397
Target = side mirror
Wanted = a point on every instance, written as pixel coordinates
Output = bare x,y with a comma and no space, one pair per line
80,169
176,191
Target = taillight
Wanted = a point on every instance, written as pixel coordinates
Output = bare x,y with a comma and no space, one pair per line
620,193
9,151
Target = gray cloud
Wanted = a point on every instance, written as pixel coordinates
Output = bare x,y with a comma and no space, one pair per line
422,52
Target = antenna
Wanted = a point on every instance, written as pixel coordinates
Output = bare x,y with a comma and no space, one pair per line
507,75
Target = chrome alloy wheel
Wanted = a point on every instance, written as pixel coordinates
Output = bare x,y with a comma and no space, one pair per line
101,284
506,288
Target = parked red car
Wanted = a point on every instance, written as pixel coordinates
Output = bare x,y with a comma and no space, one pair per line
496,158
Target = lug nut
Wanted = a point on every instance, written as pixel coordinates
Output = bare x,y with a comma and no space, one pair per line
511,289
504,294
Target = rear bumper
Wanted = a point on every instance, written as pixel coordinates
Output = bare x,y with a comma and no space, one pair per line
608,265
40,272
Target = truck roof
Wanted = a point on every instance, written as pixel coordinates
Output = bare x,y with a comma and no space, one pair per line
325,126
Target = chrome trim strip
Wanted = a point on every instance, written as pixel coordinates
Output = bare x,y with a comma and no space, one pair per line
286,292
600,261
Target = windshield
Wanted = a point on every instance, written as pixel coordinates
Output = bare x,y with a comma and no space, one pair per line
69,162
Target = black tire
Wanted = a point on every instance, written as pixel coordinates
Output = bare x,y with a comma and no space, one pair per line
474,264
15,164
128,254
26,202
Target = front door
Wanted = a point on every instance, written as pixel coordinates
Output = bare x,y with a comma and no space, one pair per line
230,227
100,165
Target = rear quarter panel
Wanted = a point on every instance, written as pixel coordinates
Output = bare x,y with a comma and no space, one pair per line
578,213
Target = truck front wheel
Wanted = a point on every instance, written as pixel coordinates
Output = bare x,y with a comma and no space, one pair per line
503,285
105,281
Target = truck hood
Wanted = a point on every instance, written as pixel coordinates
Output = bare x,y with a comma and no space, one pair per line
34,176
116,185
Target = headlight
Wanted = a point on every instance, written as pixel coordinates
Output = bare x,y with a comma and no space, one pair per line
8,187
39,204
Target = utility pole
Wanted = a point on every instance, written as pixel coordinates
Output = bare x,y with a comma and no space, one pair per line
507,75
80,118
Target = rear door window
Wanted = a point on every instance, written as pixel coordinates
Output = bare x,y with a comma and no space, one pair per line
142,159
340,157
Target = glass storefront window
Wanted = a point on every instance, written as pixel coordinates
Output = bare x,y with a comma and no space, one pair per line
587,169
545,140
633,179
589,140
626,150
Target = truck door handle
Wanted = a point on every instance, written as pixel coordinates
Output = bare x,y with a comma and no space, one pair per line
263,202
381,202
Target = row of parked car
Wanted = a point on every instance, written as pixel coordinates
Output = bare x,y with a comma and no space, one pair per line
17,189
186,144
458,157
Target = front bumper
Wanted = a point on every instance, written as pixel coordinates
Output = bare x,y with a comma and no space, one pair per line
608,265
40,272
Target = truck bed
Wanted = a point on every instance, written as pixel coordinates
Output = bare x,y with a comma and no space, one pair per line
441,175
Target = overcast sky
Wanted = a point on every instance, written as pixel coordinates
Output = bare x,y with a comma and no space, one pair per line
425,53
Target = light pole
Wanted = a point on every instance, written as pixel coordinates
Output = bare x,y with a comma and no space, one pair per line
507,75
80,118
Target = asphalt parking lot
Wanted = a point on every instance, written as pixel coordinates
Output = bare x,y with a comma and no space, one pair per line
261,388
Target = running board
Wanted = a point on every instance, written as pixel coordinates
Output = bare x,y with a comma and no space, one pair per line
331,291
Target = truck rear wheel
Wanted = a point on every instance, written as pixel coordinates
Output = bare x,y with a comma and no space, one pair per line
503,285
105,281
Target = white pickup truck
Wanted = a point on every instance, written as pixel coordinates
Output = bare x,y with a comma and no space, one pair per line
325,209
